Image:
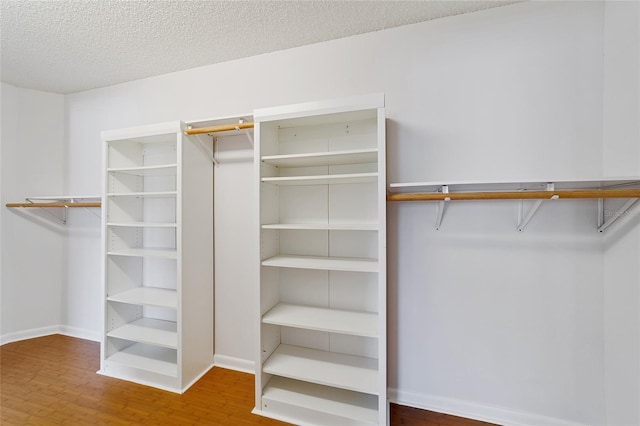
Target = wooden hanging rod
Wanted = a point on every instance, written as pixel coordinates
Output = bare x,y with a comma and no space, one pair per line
221,128
518,195
61,204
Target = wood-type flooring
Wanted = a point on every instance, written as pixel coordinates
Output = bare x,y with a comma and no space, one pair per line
52,381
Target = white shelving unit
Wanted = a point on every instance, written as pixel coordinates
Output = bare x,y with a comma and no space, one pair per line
321,356
158,252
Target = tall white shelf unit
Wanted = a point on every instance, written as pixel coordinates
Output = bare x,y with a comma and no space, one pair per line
158,257
321,176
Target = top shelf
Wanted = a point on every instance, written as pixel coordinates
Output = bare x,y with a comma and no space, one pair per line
541,185
330,158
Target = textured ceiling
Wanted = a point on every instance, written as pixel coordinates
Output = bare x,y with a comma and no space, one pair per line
69,46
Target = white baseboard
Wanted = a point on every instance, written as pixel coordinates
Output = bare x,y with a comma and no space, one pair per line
475,411
231,363
79,333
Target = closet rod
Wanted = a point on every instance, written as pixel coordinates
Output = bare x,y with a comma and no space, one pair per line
40,205
221,128
518,195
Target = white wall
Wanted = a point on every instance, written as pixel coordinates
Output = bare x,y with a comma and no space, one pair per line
33,270
621,156
483,321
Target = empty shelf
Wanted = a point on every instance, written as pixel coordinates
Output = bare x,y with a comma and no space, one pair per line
156,194
147,296
143,224
161,170
148,330
148,358
322,179
362,408
326,263
323,319
329,158
324,226
166,253
349,372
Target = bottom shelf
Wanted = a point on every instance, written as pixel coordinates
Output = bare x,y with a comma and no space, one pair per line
308,403
338,370
153,359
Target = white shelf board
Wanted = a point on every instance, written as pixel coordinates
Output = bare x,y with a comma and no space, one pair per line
323,226
148,296
149,358
349,372
323,319
162,170
325,263
151,133
337,402
69,198
166,253
150,331
157,194
143,224
322,179
533,185
329,158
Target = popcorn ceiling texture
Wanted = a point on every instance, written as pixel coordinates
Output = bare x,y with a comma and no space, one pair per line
71,46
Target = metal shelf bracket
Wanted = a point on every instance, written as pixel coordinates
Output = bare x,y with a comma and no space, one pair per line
523,220
624,211
441,206
211,152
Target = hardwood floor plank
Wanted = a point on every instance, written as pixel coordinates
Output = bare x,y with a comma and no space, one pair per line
52,381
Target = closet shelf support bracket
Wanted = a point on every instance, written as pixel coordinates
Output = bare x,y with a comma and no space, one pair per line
622,212
441,206
211,152
523,220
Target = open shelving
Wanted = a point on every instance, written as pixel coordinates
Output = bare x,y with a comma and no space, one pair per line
539,190
321,357
158,228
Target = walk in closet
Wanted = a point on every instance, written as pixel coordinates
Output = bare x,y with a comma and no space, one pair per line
158,256
321,328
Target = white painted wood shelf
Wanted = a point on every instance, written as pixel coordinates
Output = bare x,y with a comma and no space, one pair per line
325,263
160,170
165,253
323,179
341,407
537,190
154,359
147,296
349,372
329,158
323,226
143,224
150,194
323,319
150,331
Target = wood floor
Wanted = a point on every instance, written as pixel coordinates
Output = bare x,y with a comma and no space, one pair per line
52,380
